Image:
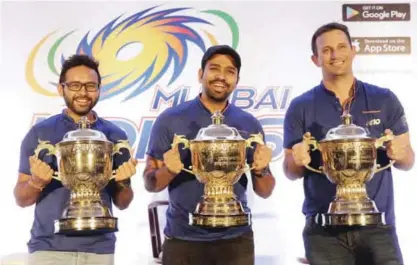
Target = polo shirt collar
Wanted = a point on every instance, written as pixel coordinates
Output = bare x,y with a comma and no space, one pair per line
356,88
199,103
71,121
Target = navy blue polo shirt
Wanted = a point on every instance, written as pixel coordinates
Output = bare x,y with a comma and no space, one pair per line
185,190
317,111
54,197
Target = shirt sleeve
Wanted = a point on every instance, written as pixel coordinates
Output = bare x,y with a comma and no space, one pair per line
293,125
396,119
27,149
160,140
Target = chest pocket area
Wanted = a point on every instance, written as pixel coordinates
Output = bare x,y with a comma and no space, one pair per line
372,123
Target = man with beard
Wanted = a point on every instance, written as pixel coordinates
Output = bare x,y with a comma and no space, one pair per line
79,85
314,113
185,244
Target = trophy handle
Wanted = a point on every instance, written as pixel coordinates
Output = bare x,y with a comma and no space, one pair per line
379,143
120,145
46,145
312,143
116,150
254,138
180,139
391,163
56,176
381,140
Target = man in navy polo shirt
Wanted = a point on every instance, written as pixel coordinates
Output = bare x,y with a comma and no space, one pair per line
79,85
186,244
320,109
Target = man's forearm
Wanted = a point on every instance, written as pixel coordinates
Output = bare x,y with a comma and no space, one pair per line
157,180
27,192
263,183
123,197
408,162
291,170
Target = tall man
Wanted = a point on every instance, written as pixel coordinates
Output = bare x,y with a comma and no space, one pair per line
318,110
79,85
186,244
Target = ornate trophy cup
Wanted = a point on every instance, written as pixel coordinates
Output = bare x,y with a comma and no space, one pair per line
349,161
85,161
218,158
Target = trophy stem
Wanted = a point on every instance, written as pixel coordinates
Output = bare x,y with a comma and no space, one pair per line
85,214
352,206
218,190
87,195
219,208
351,192
86,203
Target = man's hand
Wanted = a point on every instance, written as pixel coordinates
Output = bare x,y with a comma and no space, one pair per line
300,153
41,173
397,147
262,157
126,170
172,161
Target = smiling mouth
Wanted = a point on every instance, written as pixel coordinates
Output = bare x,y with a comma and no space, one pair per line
82,101
219,86
337,63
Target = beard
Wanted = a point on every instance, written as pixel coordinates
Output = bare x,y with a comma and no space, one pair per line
80,110
219,97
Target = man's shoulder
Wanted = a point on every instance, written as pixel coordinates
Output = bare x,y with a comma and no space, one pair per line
373,90
47,123
111,130
305,99
110,126
178,110
243,115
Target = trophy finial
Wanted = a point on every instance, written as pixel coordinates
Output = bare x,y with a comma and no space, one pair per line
346,119
217,118
84,123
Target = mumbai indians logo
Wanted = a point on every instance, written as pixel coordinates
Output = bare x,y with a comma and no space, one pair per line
165,37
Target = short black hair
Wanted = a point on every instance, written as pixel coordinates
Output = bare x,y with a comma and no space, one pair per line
221,49
79,60
326,28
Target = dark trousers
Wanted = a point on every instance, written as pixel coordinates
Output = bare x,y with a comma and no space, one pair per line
377,245
235,251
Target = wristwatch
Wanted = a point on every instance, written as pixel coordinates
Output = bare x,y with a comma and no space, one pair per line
123,184
264,172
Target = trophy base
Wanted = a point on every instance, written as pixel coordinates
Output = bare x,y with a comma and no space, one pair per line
83,226
216,221
222,211
353,219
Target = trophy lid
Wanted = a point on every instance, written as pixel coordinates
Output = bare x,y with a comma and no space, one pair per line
347,130
217,130
84,132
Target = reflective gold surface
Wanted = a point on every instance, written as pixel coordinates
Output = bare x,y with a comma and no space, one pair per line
218,164
85,168
86,225
350,163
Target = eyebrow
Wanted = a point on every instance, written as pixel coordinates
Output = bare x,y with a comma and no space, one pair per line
218,65
76,81
340,43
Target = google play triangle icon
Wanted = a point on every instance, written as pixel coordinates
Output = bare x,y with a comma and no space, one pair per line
350,12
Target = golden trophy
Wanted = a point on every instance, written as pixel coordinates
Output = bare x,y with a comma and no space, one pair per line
85,162
218,158
349,160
